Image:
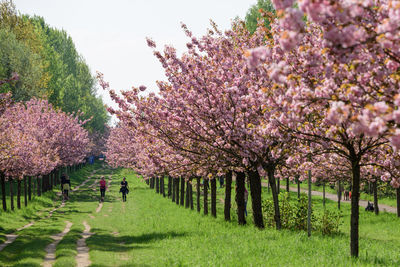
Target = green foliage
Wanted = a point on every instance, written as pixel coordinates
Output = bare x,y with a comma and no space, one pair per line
253,14
294,215
48,65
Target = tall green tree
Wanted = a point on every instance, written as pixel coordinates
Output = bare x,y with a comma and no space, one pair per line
254,14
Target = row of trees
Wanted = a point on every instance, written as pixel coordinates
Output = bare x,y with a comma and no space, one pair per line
48,65
37,142
306,98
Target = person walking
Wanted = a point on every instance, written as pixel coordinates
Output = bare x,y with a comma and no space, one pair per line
124,189
65,186
102,189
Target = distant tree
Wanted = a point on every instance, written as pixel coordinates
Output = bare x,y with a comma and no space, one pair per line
254,14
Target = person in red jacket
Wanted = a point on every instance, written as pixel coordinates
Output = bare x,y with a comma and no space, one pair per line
102,188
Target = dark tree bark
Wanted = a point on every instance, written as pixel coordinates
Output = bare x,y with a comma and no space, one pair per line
147,181
162,186
375,187
25,193
240,180
198,193
3,190
287,185
255,190
398,201
205,201
339,194
187,195
214,197
19,193
51,180
298,187
29,188
177,191
355,209
169,186
157,185
191,193
11,183
278,187
323,194
34,186
228,193
182,191
271,179
38,180
173,189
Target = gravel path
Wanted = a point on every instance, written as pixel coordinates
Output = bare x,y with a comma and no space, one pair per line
51,248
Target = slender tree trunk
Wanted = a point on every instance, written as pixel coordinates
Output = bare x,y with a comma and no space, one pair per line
339,195
177,191
355,209
309,211
3,190
51,181
187,195
240,181
173,189
228,190
34,186
163,186
255,190
38,180
19,193
323,194
268,186
157,185
398,201
169,186
205,203
198,193
287,185
182,191
147,182
278,187
29,188
191,193
11,182
271,179
298,187
375,187
214,197
44,184
25,193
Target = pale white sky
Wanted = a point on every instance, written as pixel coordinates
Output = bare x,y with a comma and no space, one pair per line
110,35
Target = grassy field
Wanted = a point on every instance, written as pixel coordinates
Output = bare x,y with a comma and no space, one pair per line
149,230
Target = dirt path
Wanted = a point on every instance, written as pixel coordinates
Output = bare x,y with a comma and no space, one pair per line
82,258
51,248
99,207
334,197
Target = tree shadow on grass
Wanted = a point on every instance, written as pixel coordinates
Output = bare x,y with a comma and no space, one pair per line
103,241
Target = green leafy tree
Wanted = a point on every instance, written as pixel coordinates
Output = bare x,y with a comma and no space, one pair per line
254,14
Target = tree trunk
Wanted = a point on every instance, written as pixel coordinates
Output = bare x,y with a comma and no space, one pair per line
187,195
147,181
398,201
44,183
177,191
191,193
163,186
3,190
309,211
157,185
339,195
29,188
38,180
375,187
355,209
182,191
51,180
173,189
228,190
287,185
298,187
323,194
278,187
25,193
240,186
205,202
169,186
19,193
256,203
271,179
214,197
34,186
11,182
198,193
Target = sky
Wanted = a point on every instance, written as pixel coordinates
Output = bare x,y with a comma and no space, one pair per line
110,35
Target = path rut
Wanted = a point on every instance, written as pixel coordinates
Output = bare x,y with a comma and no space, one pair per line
82,258
51,248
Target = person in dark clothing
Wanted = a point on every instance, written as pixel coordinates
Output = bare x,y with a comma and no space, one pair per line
124,189
221,181
65,186
102,188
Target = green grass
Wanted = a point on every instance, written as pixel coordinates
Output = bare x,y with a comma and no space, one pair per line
149,230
